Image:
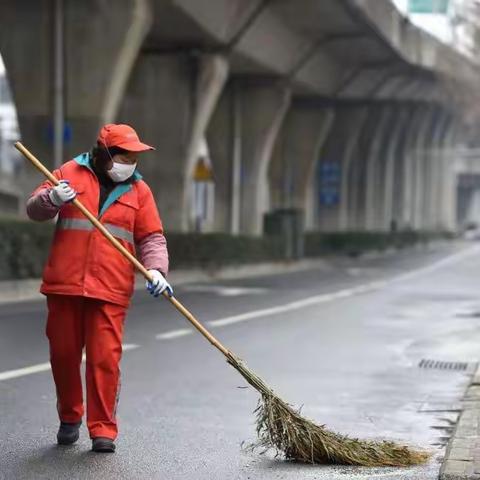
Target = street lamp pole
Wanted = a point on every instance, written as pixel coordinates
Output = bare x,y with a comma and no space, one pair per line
58,86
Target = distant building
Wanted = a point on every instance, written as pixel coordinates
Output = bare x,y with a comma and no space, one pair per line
9,157
8,128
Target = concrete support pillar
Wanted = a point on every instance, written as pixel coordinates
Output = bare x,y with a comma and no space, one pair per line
448,177
292,170
358,170
436,156
338,149
95,77
222,136
420,171
376,171
351,168
431,170
263,110
392,184
170,100
406,200
32,34
364,210
241,136
211,79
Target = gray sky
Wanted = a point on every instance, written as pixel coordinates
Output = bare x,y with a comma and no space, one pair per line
437,25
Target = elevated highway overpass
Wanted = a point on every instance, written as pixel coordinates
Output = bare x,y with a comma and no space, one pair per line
325,106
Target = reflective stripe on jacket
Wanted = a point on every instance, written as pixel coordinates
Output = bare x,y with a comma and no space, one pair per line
82,261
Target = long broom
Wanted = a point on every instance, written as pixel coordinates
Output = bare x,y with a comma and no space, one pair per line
279,426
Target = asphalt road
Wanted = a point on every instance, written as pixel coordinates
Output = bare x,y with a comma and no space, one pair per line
344,341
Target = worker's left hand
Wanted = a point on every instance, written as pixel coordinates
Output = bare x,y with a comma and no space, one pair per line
158,284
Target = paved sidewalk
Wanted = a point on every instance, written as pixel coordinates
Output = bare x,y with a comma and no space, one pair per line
462,460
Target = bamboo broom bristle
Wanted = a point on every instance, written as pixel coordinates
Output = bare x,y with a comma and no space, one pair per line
281,428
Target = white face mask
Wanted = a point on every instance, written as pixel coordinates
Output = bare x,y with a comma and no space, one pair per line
121,171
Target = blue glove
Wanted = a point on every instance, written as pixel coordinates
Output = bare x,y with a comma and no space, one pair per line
158,284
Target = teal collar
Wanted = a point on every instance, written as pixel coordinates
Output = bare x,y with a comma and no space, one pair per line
84,160
114,195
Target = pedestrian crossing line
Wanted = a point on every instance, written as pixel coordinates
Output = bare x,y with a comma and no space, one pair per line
44,367
174,334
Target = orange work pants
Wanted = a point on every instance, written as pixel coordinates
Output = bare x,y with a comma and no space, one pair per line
74,323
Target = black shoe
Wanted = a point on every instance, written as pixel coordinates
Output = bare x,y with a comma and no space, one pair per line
103,445
68,433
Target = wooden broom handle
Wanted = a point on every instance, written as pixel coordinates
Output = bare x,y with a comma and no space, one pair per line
131,258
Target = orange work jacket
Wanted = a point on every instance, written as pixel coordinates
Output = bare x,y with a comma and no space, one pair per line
82,261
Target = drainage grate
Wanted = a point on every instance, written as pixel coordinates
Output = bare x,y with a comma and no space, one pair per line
458,366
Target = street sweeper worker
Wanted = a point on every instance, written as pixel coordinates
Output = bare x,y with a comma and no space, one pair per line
88,283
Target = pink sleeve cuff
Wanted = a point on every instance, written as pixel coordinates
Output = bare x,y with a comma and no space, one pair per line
153,252
39,206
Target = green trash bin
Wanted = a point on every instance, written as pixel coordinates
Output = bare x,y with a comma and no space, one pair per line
287,223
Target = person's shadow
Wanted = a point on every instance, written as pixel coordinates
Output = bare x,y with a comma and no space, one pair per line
63,462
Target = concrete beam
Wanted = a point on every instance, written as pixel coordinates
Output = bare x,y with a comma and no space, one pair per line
312,47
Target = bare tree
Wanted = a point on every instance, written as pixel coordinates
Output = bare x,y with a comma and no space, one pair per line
465,20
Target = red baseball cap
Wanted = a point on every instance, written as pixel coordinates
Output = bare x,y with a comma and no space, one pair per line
122,136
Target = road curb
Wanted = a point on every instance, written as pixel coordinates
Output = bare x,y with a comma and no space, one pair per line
462,458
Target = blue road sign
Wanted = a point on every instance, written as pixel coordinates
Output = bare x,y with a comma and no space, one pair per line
329,181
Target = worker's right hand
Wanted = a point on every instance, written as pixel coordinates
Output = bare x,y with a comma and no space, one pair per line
62,193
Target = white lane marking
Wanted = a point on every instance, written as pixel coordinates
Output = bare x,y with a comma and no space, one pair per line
129,346
224,291
43,367
345,293
326,297
173,334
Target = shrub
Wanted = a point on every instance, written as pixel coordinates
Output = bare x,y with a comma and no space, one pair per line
214,250
24,248
354,243
25,245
